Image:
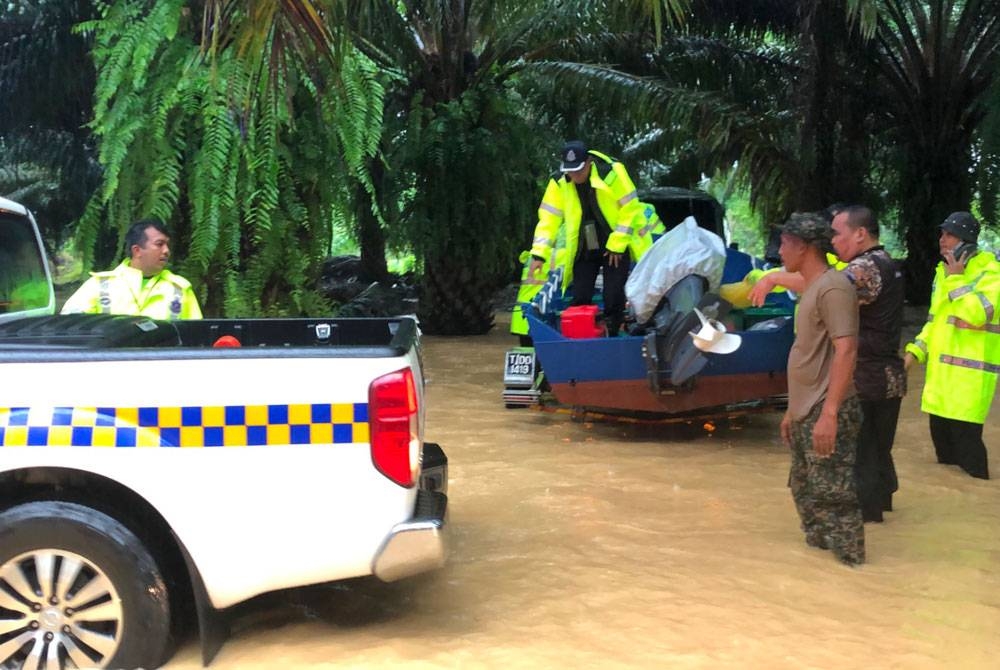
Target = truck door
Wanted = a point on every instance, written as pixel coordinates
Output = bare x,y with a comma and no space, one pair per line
25,283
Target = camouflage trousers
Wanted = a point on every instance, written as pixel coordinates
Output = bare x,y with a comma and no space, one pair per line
825,489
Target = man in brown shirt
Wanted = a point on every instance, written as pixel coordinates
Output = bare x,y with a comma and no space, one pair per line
824,416
879,375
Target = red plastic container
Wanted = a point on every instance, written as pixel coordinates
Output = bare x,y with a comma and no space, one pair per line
580,322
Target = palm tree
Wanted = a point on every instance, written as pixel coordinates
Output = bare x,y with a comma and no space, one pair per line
466,148
446,67
821,101
759,84
46,152
461,160
245,157
938,60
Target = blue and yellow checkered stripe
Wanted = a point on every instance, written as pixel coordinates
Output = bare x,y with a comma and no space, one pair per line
223,426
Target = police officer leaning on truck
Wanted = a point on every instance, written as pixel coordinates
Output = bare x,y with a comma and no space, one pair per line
141,284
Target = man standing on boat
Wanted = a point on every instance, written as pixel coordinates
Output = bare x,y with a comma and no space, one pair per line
823,418
595,198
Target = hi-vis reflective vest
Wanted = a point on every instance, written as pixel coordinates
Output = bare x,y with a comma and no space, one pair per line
120,291
616,198
961,341
648,228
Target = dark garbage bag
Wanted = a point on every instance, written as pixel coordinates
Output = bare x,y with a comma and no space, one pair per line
342,278
378,299
359,294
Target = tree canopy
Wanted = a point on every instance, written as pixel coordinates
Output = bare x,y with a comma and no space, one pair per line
261,131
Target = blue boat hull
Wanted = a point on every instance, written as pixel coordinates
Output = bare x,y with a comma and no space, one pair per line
611,373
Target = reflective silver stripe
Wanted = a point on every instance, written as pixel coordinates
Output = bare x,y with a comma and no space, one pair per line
644,230
969,363
965,325
625,230
104,295
534,282
920,344
550,209
968,288
542,241
959,292
628,197
987,306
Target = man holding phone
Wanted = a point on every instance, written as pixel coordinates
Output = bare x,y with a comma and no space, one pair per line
960,343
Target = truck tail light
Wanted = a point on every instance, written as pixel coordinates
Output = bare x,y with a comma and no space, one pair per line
392,420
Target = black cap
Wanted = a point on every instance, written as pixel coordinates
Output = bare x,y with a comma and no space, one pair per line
812,228
574,155
962,225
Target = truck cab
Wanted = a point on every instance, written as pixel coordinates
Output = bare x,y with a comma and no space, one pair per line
25,280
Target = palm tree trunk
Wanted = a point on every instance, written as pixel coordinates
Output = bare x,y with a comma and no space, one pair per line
937,185
454,298
371,237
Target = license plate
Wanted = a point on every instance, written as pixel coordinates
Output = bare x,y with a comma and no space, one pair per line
519,368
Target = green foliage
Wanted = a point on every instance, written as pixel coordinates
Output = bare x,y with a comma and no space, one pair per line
988,167
46,155
475,185
744,225
252,174
698,106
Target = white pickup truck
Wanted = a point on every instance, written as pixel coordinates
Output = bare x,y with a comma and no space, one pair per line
147,476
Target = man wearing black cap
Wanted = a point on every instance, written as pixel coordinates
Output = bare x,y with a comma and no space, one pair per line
960,343
878,375
593,195
824,417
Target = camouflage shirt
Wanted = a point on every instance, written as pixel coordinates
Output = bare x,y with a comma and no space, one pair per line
878,283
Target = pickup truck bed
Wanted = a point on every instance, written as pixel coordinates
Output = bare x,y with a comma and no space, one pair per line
350,337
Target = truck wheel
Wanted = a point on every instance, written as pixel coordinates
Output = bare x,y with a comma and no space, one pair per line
77,589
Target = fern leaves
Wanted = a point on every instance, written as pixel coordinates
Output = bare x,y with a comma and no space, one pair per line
246,187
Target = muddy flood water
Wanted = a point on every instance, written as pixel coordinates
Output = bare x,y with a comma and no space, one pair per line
610,545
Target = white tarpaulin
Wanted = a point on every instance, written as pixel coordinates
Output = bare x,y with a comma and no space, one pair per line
685,250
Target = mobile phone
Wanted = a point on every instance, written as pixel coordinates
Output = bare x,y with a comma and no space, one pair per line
963,251
590,241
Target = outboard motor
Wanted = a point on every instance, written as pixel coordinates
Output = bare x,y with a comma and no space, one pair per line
668,348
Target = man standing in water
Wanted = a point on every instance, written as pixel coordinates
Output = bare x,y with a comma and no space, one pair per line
824,415
878,376
960,343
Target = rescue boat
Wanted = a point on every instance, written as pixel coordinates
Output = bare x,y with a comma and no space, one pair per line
686,351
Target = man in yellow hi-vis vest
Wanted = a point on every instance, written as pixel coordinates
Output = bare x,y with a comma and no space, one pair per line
960,343
595,198
141,284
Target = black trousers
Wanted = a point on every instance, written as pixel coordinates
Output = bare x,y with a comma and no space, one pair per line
960,443
875,471
585,271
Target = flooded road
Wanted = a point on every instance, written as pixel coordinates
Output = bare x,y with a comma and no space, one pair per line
600,545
